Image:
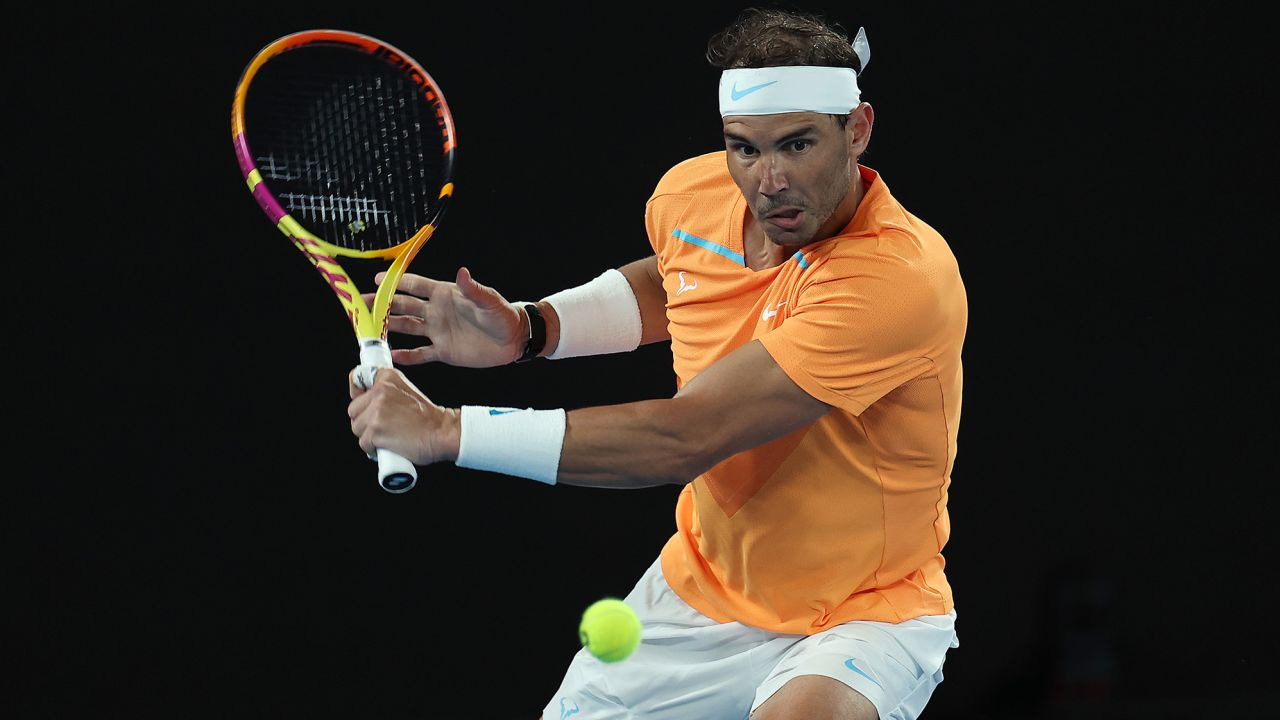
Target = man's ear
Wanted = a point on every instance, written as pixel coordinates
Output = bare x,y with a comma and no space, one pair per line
861,120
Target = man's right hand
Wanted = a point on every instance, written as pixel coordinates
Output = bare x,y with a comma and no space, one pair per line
468,324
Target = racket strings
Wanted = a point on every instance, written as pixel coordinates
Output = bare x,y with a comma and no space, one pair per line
348,154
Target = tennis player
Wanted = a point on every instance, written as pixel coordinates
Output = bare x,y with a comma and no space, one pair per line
816,328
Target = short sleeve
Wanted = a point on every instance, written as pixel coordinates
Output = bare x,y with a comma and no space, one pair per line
656,240
864,328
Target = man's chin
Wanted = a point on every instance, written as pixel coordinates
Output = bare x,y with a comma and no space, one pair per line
788,238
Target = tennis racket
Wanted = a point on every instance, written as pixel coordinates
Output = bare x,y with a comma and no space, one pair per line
348,146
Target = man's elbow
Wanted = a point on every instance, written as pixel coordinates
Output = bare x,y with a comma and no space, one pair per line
690,457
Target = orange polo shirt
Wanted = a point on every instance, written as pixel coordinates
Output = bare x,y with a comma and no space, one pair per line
844,519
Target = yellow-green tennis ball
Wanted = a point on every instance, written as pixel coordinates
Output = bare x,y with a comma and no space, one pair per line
610,630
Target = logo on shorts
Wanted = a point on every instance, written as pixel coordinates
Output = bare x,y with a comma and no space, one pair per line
567,711
849,664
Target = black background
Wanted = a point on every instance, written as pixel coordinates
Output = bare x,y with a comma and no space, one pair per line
196,533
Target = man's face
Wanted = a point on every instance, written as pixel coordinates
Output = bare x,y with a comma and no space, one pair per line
793,169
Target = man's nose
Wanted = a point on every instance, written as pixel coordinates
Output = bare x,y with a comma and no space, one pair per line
772,178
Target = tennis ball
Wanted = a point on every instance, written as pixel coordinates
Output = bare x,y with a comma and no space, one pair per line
610,630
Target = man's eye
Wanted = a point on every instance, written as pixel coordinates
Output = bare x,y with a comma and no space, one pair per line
746,150
799,145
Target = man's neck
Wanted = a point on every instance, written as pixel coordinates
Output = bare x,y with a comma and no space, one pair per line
759,251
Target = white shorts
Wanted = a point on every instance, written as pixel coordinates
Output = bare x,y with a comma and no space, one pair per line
689,666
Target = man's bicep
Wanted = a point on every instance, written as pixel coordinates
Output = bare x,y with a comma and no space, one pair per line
646,283
746,399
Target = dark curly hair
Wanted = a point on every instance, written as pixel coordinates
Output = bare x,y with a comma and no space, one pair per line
769,37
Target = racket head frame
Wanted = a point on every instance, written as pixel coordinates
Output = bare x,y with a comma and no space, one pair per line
369,323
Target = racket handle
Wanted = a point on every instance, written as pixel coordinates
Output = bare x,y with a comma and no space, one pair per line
395,473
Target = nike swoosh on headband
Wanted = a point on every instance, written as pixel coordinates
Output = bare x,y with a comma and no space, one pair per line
737,94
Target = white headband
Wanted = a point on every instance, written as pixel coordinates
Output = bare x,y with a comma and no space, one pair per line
794,88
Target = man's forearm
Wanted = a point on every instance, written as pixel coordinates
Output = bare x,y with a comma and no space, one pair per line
633,445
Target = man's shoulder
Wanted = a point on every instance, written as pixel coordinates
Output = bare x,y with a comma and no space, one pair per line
706,172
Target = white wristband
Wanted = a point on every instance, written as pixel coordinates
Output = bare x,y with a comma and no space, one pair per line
597,318
524,443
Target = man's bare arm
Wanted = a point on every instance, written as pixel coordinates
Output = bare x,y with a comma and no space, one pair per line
646,283
742,401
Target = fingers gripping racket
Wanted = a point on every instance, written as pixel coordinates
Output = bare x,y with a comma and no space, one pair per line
348,146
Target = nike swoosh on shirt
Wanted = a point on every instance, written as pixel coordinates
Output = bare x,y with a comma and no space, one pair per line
737,94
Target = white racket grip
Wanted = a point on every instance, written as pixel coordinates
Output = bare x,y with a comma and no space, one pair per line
395,473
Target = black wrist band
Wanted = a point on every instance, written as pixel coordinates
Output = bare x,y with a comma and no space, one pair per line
537,334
